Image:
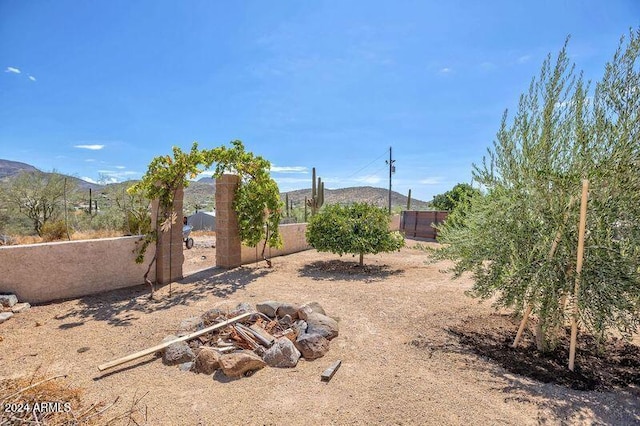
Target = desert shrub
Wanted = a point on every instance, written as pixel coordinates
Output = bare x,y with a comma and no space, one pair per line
359,228
54,230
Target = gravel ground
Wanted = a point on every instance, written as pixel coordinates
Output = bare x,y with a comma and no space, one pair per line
400,364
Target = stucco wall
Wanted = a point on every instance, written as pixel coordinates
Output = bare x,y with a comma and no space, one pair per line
39,273
293,241
395,223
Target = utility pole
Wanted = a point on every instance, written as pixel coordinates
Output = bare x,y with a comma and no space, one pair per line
392,169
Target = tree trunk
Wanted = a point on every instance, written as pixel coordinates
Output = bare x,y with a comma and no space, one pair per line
361,259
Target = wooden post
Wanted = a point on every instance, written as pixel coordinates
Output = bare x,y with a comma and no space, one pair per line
576,289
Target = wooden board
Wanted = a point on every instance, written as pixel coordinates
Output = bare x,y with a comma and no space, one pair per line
329,372
161,346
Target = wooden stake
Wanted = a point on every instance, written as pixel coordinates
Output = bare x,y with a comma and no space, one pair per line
576,289
329,372
161,346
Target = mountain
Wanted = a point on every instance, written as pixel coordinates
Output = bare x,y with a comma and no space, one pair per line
207,180
10,168
201,193
359,194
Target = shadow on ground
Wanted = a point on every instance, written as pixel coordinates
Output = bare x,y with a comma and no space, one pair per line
339,270
604,389
121,307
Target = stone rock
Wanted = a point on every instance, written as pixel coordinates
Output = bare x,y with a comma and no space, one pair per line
186,366
194,344
322,325
268,307
309,308
241,308
286,320
20,307
207,361
5,316
210,317
300,327
8,300
190,325
238,364
312,346
177,353
287,309
282,354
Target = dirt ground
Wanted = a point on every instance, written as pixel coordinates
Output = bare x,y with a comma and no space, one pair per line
401,362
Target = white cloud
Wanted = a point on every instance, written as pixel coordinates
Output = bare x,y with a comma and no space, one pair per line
12,70
90,160
32,78
431,181
88,179
289,169
293,180
91,147
120,167
371,179
523,59
111,176
445,70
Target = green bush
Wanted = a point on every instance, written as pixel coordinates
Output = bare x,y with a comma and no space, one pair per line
358,229
54,230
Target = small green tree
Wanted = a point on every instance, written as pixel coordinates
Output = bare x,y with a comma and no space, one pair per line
520,239
38,196
459,194
359,228
457,201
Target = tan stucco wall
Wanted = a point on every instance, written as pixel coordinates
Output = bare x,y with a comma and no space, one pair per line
38,273
293,241
395,223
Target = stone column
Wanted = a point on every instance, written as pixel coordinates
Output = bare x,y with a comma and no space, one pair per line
169,247
227,235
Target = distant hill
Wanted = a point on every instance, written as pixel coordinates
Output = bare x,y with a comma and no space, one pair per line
207,180
201,193
360,194
10,168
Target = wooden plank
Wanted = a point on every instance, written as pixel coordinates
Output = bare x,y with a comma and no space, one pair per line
262,335
329,372
246,337
251,331
580,257
161,346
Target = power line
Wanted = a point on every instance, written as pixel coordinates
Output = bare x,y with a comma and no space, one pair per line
362,168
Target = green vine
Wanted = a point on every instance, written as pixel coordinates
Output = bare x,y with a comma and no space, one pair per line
257,198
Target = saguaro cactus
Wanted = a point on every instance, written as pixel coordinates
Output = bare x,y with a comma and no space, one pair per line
286,203
409,201
317,194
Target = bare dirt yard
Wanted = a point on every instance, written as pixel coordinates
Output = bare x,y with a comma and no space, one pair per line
406,343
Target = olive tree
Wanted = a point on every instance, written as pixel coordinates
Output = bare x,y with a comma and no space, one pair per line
520,239
359,228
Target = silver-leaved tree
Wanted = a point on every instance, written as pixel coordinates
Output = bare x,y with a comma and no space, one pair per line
520,239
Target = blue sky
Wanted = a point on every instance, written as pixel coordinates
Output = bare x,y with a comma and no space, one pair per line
97,89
